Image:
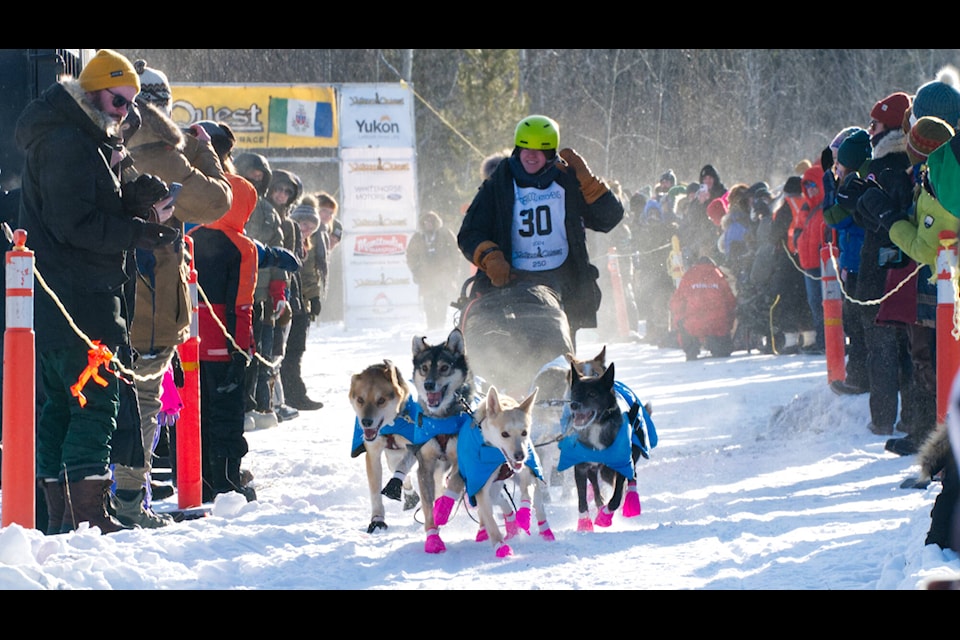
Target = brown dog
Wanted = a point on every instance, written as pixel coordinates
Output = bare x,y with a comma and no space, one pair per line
384,429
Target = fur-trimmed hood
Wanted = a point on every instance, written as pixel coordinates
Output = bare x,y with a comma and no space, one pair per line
64,101
891,141
155,127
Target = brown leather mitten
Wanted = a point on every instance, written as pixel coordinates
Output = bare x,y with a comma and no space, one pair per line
489,257
591,186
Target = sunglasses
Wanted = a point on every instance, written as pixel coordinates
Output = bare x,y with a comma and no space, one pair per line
119,102
810,185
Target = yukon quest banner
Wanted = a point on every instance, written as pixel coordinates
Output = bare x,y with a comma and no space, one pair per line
376,115
264,116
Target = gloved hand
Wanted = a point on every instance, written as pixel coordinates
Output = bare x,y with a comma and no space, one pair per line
850,191
826,159
278,295
139,196
591,186
829,179
315,306
489,257
878,207
900,187
235,373
165,419
150,235
278,257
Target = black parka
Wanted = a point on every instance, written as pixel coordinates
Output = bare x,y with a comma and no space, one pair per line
72,212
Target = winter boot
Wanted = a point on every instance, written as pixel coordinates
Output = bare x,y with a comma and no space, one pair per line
791,344
86,501
56,503
236,480
132,513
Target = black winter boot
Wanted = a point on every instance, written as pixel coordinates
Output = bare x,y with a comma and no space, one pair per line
236,481
86,501
56,502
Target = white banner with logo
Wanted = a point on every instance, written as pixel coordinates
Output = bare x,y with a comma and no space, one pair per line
378,207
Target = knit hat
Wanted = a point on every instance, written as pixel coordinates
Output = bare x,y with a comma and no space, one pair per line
716,210
154,86
306,211
669,175
708,170
106,70
937,99
792,186
840,137
890,110
855,150
926,135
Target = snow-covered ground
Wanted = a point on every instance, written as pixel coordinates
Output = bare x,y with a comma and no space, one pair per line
762,479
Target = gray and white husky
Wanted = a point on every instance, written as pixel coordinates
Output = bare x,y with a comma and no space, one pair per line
445,393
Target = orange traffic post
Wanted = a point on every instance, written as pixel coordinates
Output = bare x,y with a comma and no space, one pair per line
619,297
189,475
19,390
948,348
834,338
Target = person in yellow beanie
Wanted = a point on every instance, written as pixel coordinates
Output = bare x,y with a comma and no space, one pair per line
83,224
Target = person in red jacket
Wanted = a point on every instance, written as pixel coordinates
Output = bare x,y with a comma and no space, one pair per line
703,309
226,264
809,242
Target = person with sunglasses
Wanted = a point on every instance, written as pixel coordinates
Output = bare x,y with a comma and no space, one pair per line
81,222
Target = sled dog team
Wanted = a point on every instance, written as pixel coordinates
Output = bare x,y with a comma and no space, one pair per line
479,447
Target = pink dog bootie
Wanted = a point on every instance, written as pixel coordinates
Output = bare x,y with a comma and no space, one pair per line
510,526
504,550
442,509
523,516
434,544
482,535
631,503
545,531
585,524
604,517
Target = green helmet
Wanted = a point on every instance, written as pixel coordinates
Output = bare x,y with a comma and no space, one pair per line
537,132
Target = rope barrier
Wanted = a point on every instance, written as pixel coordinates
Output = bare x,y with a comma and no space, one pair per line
95,346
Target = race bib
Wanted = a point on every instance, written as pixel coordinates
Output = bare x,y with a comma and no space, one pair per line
539,233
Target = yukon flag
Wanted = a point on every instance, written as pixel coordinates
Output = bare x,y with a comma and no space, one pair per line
304,118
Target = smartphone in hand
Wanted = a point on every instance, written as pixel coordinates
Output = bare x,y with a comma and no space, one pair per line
174,191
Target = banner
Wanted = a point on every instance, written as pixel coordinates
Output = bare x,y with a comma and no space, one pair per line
376,115
294,116
379,189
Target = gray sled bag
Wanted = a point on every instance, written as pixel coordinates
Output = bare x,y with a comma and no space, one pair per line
511,332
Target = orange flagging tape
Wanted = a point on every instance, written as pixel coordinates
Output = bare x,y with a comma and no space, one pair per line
97,356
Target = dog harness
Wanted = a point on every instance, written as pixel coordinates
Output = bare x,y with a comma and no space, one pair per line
636,429
479,461
440,428
403,426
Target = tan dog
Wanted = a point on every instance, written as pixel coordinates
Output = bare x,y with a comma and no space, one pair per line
382,401
495,448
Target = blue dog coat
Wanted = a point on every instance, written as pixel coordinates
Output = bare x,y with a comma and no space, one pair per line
402,426
479,461
638,430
